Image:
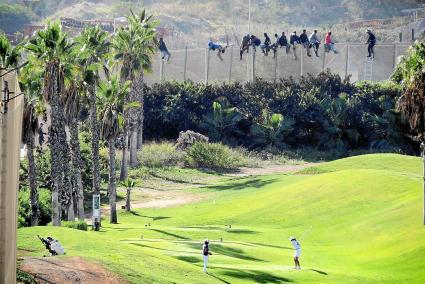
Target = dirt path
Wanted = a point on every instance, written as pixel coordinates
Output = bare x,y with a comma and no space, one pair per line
271,170
65,270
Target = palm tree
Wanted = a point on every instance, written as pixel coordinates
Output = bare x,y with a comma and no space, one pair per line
51,49
272,130
30,83
134,47
129,184
93,54
72,111
411,73
111,98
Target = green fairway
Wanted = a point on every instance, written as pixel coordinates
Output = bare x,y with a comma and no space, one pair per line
359,220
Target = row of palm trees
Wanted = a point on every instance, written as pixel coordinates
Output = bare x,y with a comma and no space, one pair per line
60,74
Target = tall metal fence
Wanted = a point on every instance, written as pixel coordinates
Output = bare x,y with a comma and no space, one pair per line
202,65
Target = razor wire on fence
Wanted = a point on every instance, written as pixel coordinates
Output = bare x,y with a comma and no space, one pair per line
203,65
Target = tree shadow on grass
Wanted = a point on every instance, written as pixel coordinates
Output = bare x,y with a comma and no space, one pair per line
255,276
272,246
189,259
161,249
318,271
170,234
154,218
227,251
224,229
250,183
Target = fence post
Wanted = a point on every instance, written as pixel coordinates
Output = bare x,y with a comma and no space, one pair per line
230,64
395,55
253,65
161,68
207,65
248,74
400,36
324,59
275,68
302,60
347,58
185,63
413,34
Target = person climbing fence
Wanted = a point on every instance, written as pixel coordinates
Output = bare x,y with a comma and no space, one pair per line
305,42
245,45
294,41
265,47
371,41
329,44
216,46
315,42
283,42
164,50
255,42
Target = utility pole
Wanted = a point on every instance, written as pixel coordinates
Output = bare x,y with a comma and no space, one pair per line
249,17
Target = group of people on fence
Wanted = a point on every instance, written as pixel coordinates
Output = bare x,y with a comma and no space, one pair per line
304,40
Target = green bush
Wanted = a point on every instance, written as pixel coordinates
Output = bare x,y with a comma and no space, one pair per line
214,156
24,277
160,155
44,203
79,225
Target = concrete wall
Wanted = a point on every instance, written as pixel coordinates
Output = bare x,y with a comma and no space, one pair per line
10,141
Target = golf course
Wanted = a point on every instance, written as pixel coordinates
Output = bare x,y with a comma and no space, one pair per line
358,220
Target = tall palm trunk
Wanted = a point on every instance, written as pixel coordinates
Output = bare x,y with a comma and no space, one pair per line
95,141
136,94
53,89
141,114
127,200
124,161
32,173
77,165
112,183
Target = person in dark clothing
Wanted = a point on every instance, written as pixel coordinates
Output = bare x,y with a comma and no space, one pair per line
245,45
371,41
163,49
255,41
315,42
283,42
305,42
265,47
275,45
206,253
294,40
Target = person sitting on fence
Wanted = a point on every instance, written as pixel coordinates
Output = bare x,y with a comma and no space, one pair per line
305,42
294,41
265,47
275,45
315,42
283,42
329,44
216,46
255,41
163,49
371,41
245,45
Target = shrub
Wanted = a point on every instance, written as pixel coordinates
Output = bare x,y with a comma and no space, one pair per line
160,155
79,225
44,203
214,156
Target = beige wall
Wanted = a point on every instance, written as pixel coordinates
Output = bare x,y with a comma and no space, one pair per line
10,142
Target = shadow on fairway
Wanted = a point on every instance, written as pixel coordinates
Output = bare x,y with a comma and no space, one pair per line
224,229
190,259
219,279
250,183
170,234
318,271
154,218
255,276
271,246
227,251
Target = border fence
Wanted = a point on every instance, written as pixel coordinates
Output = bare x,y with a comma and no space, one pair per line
203,65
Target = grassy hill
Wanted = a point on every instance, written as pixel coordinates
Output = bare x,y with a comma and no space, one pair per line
358,220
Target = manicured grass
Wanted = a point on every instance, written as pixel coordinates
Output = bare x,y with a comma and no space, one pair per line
358,220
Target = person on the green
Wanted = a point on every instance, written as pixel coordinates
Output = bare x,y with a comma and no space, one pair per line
297,253
206,253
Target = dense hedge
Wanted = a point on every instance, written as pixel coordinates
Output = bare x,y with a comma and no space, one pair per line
322,112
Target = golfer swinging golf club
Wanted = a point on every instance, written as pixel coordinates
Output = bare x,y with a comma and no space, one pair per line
297,254
206,252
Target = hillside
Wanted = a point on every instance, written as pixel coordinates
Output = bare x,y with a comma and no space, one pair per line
191,19
358,220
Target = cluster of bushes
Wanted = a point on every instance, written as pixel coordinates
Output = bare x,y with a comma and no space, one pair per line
78,225
321,112
24,207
